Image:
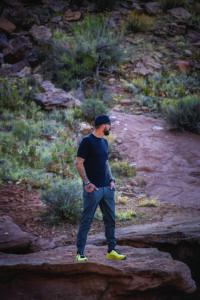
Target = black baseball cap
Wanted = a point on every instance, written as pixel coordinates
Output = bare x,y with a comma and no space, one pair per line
101,119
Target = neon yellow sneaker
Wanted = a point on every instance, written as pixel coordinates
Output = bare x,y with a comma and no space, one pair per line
115,254
81,257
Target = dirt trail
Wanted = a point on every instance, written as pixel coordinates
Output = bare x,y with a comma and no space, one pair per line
168,161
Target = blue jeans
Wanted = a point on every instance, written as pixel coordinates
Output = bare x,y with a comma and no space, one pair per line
105,198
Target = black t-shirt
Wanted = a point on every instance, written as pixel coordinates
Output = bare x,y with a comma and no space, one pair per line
95,152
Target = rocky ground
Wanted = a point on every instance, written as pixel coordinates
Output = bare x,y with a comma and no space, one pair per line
168,160
25,209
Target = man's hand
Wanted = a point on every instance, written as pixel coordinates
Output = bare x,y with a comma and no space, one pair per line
112,184
90,188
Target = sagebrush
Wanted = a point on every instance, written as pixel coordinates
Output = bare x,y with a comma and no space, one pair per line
184,113
64,202
138,23
122,168
91,50
92,108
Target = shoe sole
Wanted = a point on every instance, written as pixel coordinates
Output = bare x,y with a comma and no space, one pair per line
124,258
81,260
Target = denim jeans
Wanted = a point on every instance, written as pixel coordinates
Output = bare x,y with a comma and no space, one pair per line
105,198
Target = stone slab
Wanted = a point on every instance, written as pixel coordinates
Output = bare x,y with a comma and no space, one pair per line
54,274
12,238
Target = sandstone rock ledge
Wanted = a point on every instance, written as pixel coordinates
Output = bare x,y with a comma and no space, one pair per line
54,274
12,238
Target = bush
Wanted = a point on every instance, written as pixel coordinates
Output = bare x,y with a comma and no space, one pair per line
125,215
131,88
92,49
92,108
102,92
123,169
97,43
139,83
138,23
17,94
184,113
32,150
24,131
173,85
63,202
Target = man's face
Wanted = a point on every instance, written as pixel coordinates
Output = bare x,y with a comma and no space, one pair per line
107,129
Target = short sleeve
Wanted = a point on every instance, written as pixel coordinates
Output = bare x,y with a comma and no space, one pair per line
83,148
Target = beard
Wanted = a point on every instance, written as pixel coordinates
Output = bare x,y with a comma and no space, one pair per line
106,132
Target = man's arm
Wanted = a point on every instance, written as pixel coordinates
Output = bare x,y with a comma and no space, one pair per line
81,169
108,171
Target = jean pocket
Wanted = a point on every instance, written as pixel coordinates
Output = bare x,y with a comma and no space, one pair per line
85,193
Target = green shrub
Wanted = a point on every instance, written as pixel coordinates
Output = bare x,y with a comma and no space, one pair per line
24,131
122,168
63,202
173,85
184,113
126,215
102,92
92,108
27,146
138,23
6,170
168,4
151,102
77,114
131,88
139,83
17,94
97,42
93,48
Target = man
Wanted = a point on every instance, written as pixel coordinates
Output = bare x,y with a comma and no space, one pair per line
98,187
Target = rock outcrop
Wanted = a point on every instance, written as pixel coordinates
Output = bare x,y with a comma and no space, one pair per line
153,8
7,25
21,17
72,16
147,65
179,13
54,274
40,33
53,97
17,50
168,232
178,236
12,238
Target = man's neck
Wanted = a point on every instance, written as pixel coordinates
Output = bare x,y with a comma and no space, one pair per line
98,133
